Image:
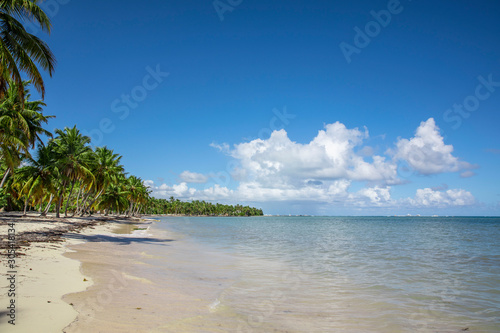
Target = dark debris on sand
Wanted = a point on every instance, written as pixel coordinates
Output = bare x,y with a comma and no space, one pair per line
47,235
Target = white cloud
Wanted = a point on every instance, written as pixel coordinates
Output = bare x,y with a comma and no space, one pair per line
280,163
335,191
426,152
428,197
193,177
326,169
183,192
164,191
215,192
375,196
149,184
366,151
220,147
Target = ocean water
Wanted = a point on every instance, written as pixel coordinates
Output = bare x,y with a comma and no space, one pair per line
324,274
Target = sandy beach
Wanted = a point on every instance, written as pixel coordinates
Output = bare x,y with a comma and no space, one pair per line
44,271
86,275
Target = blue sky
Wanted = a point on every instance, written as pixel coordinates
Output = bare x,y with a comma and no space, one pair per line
189,93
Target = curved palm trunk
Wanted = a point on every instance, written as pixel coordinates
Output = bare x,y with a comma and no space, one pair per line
69,197
46,210
137,209
84,201
59,200
90,204
77,202
40,206
5,177
25,206
130,209
134,210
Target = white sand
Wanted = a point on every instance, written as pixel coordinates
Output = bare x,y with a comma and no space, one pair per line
43,276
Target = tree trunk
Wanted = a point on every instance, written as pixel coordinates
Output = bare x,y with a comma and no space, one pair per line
46,210
40,206
69,197
25,205
90,204
129,213
134,211
84,201
77,201
5,177
59,200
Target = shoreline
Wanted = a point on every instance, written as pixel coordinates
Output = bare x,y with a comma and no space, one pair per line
44,272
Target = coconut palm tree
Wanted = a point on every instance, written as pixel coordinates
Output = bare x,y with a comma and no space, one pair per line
21,51
36,180
133,187
20,126
115,198
106,170
143,199
73,160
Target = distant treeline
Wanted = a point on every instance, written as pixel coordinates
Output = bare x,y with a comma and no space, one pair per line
175,206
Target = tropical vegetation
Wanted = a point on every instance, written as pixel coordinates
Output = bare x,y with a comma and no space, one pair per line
20,51
196,207
66,176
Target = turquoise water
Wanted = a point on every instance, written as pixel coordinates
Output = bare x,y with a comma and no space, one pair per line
339,274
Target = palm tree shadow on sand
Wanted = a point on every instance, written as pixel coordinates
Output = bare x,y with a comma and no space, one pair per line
120,240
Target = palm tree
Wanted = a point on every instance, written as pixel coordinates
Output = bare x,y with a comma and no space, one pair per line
20,126
36,180
106,170
143,199
73,160
133,186
114,199
20,51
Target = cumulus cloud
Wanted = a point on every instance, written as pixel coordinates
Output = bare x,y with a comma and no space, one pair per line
334,191
279,162
426,152
428,197
193,177
375,196
329,170
184,192
336,194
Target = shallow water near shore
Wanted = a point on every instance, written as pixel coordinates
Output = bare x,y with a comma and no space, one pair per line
296,274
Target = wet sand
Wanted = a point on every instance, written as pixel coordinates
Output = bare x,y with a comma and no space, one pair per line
130,296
